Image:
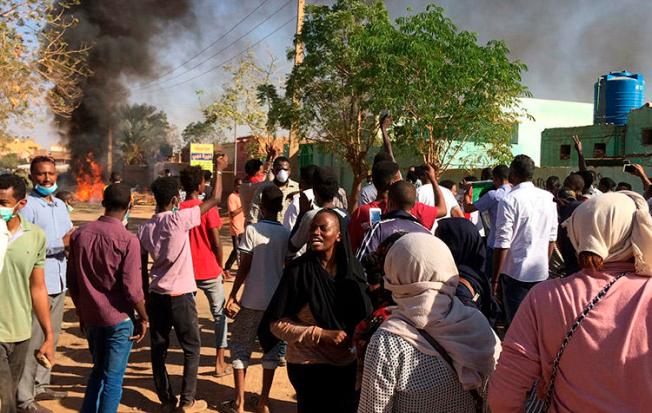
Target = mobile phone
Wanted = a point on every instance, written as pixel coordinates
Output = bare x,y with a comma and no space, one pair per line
628,167
374,215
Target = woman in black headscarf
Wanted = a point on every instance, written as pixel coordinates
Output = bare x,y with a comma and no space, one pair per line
320,300
465,243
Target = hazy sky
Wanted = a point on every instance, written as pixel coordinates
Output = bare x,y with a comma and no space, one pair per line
566,45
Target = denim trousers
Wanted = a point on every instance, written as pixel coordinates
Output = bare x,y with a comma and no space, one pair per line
12,362
180,312
110,347
514,292
235,240
214,290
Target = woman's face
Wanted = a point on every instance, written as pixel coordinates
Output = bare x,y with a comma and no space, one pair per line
324,232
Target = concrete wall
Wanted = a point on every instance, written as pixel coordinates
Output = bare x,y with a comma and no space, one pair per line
552,139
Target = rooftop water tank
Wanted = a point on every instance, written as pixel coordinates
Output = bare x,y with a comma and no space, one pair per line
615,95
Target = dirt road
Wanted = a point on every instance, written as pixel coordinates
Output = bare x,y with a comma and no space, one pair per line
74,361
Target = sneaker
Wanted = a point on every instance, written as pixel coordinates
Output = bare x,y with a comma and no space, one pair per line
34,408
282,362
50,394
168,407
196,407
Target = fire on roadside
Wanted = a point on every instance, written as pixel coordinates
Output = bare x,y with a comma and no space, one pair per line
90,187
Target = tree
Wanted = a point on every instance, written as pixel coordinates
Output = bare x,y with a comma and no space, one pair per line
199,132
142,133
334,85
36,63
446,90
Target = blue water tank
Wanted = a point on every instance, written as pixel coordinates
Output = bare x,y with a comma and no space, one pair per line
616,94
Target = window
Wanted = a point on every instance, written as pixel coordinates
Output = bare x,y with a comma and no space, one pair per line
599,150
646,136
564,152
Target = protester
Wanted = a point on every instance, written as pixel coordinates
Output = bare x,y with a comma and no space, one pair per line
263,252
384,174
404,370
426,195
236,227
488,204
400,201
281,171
605,359
305,186
606,184
468,250
567,202
51,215
325,190
171,298
450,185
115,178
526,230
105,283
206,251
67,197
588,176
208,189
639,172
256,172
22,289
320,300
553,185
369,193
623,186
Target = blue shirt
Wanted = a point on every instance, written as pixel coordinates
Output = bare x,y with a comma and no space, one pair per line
489,203
54,220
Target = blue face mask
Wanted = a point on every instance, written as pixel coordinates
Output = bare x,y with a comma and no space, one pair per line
6,213
125,220
45,190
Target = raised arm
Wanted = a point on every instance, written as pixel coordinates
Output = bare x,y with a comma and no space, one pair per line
216,197
440,202
580,153
386,122
640,172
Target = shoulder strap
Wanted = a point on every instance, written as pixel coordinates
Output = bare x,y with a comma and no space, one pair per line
555,365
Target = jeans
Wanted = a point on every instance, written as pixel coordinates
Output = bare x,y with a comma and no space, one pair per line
110,348
36,378
214,290
514,292
235,239
12,362
489,263
180,312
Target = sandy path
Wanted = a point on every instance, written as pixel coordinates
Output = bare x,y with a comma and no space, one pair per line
74,361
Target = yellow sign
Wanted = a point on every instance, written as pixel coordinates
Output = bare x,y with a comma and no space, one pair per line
201,154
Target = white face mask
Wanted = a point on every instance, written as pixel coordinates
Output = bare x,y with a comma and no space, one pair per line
282,176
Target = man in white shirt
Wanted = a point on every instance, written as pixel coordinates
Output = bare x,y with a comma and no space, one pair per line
526,231
426,195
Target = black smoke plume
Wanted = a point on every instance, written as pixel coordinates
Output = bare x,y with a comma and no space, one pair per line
122,34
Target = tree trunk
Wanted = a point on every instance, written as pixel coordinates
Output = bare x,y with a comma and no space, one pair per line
355,192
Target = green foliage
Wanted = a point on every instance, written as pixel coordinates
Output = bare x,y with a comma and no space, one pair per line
199,132
9,161
142,133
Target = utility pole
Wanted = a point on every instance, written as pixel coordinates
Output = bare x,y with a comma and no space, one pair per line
235,148
293,141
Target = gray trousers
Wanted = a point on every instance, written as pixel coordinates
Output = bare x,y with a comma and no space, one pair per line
12,360
35,377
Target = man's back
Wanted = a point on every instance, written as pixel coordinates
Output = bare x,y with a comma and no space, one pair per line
104,274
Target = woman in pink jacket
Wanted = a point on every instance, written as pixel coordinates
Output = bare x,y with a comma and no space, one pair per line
605,365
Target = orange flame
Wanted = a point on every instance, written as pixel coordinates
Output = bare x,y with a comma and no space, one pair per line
90,187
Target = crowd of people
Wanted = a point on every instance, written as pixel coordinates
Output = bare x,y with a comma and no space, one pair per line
421,297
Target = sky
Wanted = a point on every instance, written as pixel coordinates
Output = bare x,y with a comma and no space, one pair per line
566,45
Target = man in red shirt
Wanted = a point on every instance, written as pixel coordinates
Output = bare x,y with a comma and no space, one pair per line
383,175
206,251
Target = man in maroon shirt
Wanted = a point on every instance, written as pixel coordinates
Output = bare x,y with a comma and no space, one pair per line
105,283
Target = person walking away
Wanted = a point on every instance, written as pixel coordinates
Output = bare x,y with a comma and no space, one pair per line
603,311
526,231
321,298
487,204
105,283
51,215
281,172
256,173
400,201
567,203
22,290
236,227
206,251
171,299
433,353
263,252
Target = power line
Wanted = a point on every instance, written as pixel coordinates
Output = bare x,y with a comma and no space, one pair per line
229,59
209,46
224,48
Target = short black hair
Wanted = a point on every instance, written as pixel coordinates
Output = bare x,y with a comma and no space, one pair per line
16,182
382,156
65,196
252,166
117,197
325,184
403,195
487,173
607,183
307,173
191,177
115,176
165,188
553,183
501,172
271,199
40,159
237,181
471,178
522,167
382,174
279,160
587,176
623,186
207,175
447,183
574,182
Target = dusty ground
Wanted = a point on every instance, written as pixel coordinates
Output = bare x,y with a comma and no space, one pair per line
74,361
